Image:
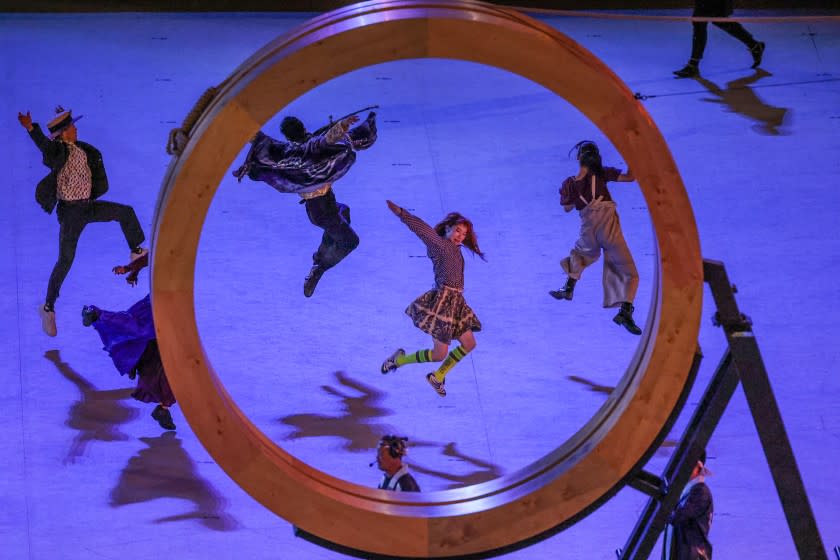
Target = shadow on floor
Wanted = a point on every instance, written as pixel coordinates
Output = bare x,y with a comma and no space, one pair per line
164,470
97,415
486,471
358,428
739,97
356,425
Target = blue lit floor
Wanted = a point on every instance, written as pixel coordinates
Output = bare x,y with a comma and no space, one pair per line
87,474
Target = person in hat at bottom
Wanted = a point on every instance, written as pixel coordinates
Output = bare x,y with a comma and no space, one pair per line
389,460
75,182
687,536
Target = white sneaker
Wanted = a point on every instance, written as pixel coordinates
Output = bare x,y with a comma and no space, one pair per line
436,385
390,364
47,321
135,256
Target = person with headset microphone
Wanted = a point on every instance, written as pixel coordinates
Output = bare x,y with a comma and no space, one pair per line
395,475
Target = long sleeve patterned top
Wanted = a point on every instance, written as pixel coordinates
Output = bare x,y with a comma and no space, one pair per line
447,260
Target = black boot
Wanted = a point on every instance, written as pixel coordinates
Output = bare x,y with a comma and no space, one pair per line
89,315
312,279
757,52
690,70
625,318
163,417
567,291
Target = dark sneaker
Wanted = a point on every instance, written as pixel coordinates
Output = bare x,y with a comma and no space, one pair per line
90,314
312,280
163,417
436,385
688,71
390,363
47,320
757,52
625,319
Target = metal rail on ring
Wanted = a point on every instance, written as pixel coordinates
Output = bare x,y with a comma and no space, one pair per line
555,490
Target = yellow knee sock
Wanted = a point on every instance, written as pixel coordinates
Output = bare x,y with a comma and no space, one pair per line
453,358
414,358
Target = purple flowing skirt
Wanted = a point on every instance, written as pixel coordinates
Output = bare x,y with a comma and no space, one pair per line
129,338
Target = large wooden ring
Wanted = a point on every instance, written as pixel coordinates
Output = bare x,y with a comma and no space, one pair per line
553,491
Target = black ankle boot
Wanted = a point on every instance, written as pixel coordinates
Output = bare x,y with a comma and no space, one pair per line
690,70
625,318
566,292
163,417
90,314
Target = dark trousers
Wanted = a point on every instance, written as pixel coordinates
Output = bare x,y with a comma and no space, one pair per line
72,219
700,35
339,239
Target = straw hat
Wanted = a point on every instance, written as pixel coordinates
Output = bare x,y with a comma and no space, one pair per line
62,120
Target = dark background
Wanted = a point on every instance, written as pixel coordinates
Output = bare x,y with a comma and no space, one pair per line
324,5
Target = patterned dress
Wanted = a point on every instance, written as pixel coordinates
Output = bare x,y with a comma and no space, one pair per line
441,312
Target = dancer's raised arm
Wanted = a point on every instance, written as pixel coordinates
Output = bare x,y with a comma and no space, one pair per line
421,229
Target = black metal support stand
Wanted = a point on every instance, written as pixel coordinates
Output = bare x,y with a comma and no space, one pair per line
741,362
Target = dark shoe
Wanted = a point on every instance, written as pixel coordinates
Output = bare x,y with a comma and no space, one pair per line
566,292
688,71
163,418
312,279
436,385
625,319
90,314
757,52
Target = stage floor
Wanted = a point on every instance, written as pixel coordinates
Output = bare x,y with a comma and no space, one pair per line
86,473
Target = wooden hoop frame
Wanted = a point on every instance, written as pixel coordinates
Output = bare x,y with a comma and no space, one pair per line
558,488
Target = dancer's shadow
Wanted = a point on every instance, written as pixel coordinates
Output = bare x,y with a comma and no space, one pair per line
360,432
592,386
607,390
739,97
98,415
486,470
356,425
165,470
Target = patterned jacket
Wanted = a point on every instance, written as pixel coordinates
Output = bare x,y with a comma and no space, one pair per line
303,167
55,154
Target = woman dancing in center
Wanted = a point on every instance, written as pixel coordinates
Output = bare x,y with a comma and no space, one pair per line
441,312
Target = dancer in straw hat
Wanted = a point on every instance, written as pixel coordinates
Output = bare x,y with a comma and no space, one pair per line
76,181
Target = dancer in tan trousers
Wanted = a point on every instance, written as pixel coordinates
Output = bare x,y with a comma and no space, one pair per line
600,230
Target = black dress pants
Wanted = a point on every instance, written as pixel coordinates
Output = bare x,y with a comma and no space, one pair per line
72,219
339,239
700,35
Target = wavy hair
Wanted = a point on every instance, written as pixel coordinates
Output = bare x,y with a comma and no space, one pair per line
589,156
470,240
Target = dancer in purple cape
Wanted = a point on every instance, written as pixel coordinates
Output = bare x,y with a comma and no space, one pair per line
129,338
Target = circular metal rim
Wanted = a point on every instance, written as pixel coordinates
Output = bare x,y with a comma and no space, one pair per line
515,507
